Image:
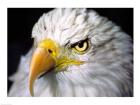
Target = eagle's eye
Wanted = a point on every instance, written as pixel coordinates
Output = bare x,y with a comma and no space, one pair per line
81,46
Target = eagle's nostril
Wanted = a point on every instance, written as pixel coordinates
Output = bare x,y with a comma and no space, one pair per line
50,51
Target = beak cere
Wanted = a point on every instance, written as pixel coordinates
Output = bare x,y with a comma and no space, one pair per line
42,61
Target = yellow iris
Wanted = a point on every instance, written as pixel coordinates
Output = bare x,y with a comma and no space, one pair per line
81,46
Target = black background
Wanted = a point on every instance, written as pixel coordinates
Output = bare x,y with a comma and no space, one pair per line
21,21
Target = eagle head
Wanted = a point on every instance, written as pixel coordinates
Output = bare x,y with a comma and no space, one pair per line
76,52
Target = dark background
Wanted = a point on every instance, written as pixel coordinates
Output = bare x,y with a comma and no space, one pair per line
21,21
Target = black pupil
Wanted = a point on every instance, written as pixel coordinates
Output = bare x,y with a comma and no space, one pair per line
81,44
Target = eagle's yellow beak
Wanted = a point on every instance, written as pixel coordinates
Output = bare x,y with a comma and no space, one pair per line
47,56
42,61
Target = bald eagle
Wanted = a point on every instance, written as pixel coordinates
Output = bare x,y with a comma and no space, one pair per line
76,52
